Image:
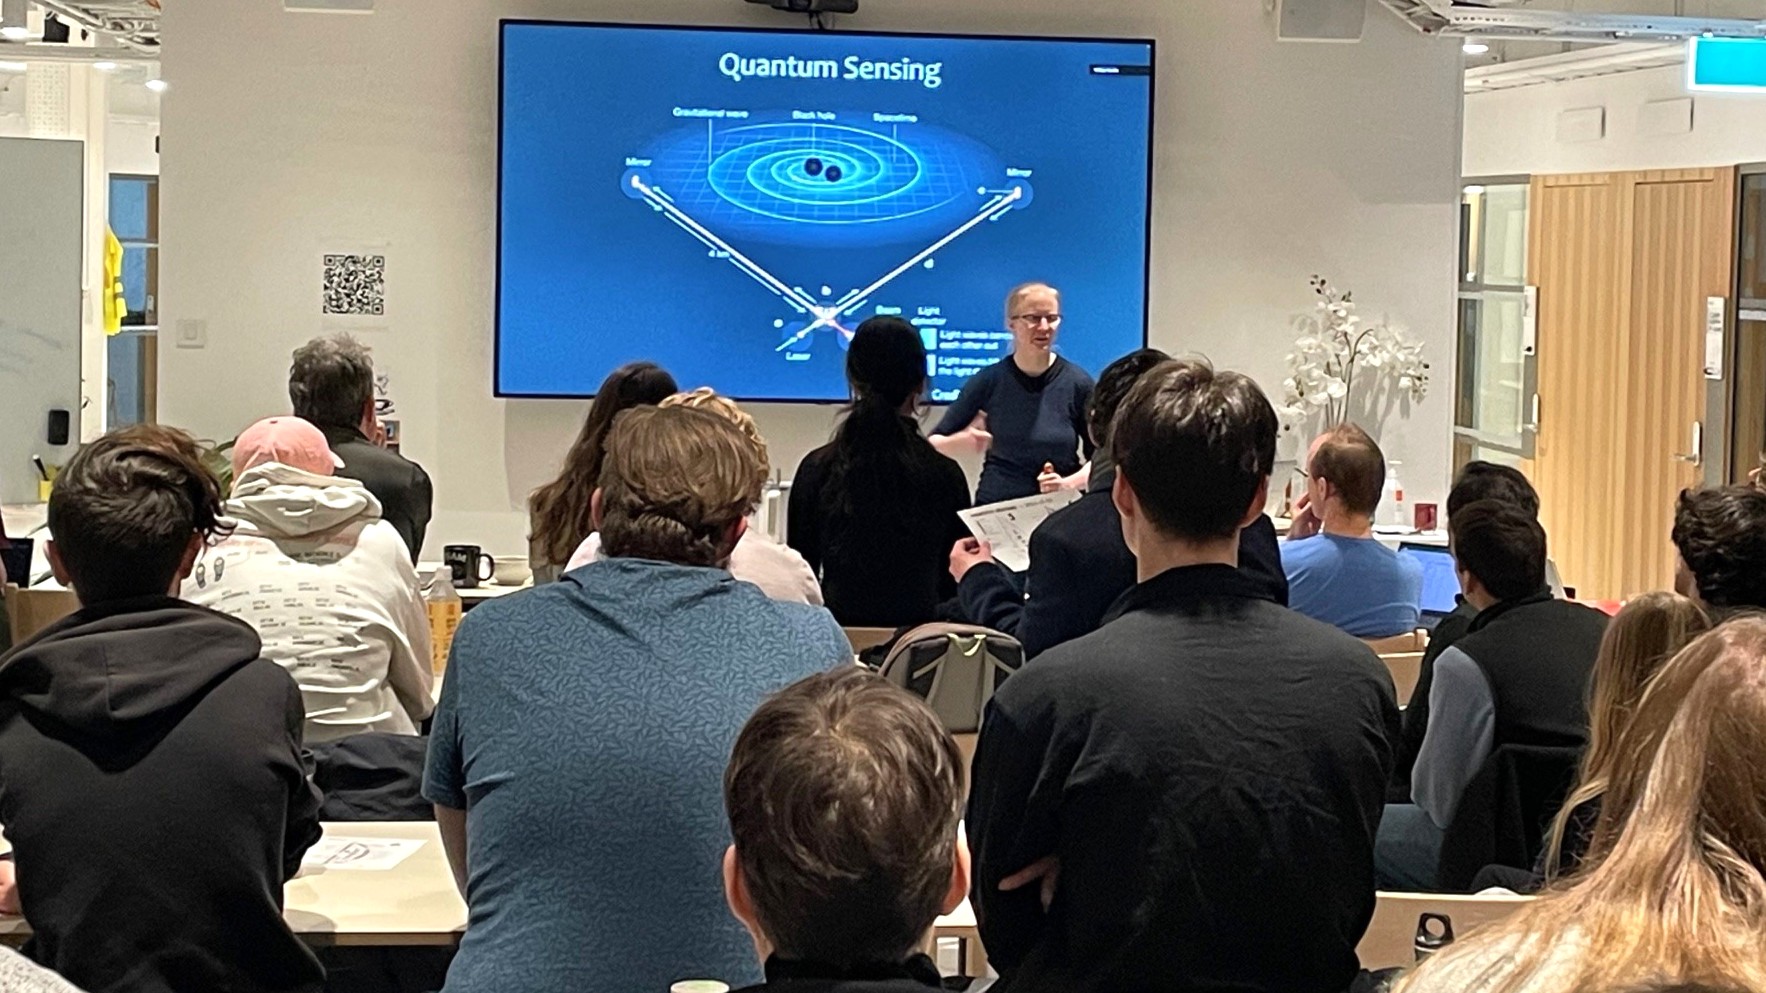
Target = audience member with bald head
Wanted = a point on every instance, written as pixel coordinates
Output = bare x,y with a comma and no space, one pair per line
1338,572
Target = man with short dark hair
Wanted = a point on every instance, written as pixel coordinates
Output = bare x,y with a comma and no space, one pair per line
1185,798
331,384
1721,537
1518,677
584,727
843,794
1079,563
1477,481
151,775
1338,572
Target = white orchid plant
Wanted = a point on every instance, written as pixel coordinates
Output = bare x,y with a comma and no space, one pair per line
1337,360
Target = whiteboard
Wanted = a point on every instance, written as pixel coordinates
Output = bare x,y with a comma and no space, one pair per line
41,192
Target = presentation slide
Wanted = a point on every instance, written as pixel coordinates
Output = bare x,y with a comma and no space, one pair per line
733,204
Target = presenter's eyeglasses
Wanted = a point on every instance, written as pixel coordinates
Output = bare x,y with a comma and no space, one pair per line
1052,320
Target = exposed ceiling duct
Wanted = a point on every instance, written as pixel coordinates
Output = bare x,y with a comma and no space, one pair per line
1522,19
129,25
1582,63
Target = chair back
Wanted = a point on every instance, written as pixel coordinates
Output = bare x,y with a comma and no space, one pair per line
1406,669
865,638
1398,644
1505,812
29,611
1390,941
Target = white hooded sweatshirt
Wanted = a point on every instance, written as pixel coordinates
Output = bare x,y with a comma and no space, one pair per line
330,588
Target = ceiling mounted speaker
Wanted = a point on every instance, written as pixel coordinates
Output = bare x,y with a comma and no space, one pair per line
1320,20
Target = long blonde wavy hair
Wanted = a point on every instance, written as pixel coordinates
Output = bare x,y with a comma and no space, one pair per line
1646,634
1674,891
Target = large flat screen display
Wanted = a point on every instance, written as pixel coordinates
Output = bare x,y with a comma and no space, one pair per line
733,203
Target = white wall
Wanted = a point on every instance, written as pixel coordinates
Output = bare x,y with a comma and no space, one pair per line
129,146
284,133
1514,132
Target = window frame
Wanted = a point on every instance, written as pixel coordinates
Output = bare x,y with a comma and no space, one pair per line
1468,439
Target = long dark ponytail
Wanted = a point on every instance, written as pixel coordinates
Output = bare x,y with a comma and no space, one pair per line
880,458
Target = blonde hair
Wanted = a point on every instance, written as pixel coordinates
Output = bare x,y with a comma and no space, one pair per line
1674,892
1022,290
1645,635
674,484
706,399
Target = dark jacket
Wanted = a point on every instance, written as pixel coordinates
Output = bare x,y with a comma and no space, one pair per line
1080,564
153,787
882,574
1210,770
401,486
1578,836
917,975
1416,713
1505,813
1537,653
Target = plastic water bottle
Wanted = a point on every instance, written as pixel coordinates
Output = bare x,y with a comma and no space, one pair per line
1398,514
445,609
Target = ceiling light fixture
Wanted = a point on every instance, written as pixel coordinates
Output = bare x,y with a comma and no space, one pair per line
157,85
1474,48
105,66
13,23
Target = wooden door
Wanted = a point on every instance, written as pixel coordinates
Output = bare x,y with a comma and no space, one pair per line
1624,263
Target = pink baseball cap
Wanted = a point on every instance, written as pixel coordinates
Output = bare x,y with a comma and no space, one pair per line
288,440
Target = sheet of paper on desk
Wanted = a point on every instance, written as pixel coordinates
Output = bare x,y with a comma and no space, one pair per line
335,853
1007,526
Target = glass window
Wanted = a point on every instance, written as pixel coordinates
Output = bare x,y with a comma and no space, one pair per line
1494,389
132,354
1747,442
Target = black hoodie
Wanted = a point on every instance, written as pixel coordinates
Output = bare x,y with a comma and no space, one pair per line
153,786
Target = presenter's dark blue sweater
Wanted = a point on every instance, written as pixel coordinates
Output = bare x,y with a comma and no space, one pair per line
1035,420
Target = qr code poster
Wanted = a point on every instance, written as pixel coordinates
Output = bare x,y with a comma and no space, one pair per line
355,286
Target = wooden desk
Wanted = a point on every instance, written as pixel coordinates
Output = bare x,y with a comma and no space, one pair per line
413,903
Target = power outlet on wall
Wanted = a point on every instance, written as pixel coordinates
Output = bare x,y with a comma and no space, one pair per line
192,334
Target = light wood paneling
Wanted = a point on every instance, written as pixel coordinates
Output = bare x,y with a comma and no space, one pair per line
1575,261
1624,262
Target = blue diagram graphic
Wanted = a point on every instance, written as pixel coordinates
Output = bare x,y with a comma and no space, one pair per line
823,183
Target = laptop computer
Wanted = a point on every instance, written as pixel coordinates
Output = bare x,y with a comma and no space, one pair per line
1440,581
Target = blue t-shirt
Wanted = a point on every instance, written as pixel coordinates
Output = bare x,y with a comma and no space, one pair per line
1035,420
584,726
1356,584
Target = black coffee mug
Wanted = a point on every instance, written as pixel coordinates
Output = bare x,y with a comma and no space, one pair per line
469,564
